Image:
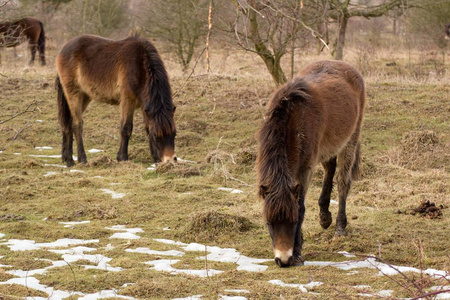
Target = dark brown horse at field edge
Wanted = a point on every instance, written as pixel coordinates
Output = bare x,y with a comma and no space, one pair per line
128,73
31,29
314,118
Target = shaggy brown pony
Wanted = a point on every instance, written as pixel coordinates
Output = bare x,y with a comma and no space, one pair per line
31,29
314,118
128,73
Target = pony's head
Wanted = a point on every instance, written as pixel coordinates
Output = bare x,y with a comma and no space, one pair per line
161,133
281,215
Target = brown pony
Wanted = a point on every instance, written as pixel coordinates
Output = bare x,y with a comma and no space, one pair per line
31,29
314,118
128,73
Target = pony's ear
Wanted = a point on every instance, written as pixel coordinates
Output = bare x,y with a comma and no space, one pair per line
263,191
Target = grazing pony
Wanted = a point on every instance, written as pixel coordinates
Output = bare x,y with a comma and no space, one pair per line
128,73
447,31
31,29
314,118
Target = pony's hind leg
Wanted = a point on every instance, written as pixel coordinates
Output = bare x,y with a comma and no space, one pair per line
33,48
346,161
327,187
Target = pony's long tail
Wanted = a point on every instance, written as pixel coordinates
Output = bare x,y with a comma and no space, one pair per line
41,44
64,116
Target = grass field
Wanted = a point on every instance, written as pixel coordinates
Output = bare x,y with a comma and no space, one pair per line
405,146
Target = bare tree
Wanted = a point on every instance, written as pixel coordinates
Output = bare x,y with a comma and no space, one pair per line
181,23
99,17
268,28
342,10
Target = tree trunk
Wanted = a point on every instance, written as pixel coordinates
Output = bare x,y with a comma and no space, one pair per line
272,61
343,21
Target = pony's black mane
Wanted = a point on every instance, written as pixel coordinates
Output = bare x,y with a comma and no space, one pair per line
160,106
275,179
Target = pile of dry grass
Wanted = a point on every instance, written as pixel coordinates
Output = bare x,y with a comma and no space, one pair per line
104,161
246,156
206,226
219,156
180,170
420,150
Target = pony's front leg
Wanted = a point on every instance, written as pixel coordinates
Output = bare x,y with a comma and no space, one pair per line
303,180
78,130
126,128
327,187
298,243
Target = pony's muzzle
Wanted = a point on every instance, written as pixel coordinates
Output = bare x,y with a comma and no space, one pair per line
169,158
284,258
282,264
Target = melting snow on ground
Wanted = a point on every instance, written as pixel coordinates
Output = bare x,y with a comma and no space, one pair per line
72,224
95,150
302,287
114,195
213,253
43,148
232,191
125,233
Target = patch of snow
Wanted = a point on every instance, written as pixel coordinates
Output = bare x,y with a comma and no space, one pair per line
113,194
71,224
333,201
93,150
76,171
236,291
346,254
231,190
152,167
155,252
302,287
195,297
170,242
128,233
109,247
166,228
43,148
51,173
385,293
232,297
17,153
371,263
77,253
229,255
165,265
2,235
24,245
39,121
33,283
104,294
1,151
185,161
125,236
55,165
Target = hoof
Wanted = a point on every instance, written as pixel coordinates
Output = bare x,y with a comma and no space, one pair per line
70,163
325,219
299,261
340,232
